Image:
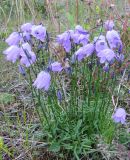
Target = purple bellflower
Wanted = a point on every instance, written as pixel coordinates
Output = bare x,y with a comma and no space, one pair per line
100,43
114,40
109,25
56,67
75,37
12,53
13,39
43,81
83,52
89,49
26,46
119,116
79,29
106,55
79,35
26,36
64,40
83,39
26,27
39,32
27,56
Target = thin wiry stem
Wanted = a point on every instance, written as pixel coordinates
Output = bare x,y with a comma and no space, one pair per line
118,91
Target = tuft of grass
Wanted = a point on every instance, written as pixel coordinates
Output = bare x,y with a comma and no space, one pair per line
7,98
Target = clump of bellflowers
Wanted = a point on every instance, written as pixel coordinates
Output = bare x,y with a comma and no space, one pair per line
71,83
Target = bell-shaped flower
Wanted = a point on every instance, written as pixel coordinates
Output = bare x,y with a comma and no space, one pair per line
79,29
113,39
106,55
64,40
39,32
26,27
119,116
78,55
79,35
42,81
89,49
26,46
13,39
12,53
83,39
100,43
26,36
56,67
109,25
74,36
83,52
27,56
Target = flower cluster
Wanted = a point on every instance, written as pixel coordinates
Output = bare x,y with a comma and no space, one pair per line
106,48
20,45
78,36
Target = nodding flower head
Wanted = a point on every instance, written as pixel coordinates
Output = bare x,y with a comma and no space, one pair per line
56,67
106,55
100,43
79,35
114,40
64,40
83,39
39,32
27,56
12,53
79,54
26,36
79,29
42,81
26,27
26,46
83,52
13,39
119,116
